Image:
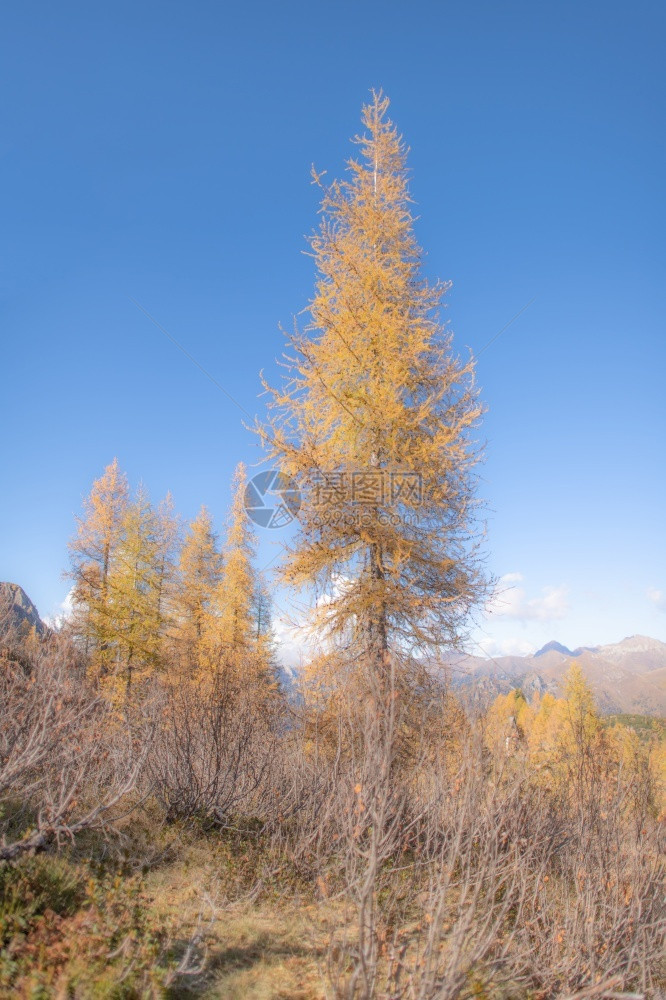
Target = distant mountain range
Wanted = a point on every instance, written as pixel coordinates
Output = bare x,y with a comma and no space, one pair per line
626,677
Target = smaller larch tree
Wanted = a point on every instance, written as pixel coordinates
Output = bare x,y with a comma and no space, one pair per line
199,572
167,547
238,639
135,586
92,553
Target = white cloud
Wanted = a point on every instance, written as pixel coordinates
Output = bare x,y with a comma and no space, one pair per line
657,597
512,646
511,601
62,613
296,637
294,641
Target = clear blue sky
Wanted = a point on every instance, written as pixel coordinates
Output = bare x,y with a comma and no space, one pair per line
161,151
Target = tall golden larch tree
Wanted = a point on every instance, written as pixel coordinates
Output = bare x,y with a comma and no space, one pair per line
376,423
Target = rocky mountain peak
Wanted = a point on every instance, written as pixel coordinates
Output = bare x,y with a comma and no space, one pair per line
17,610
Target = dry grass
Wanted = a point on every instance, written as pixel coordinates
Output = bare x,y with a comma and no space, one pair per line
273,946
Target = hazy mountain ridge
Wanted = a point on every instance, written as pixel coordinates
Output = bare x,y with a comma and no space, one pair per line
626,677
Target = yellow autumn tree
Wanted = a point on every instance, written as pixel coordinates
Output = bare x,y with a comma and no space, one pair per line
135,589
167,539
199,571
92,552
236,624
581,715
237,636
375,423
544,733
509,721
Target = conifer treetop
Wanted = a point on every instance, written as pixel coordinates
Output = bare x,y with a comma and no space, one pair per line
373,387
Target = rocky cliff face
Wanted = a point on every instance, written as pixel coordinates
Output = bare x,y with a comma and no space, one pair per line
17,610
